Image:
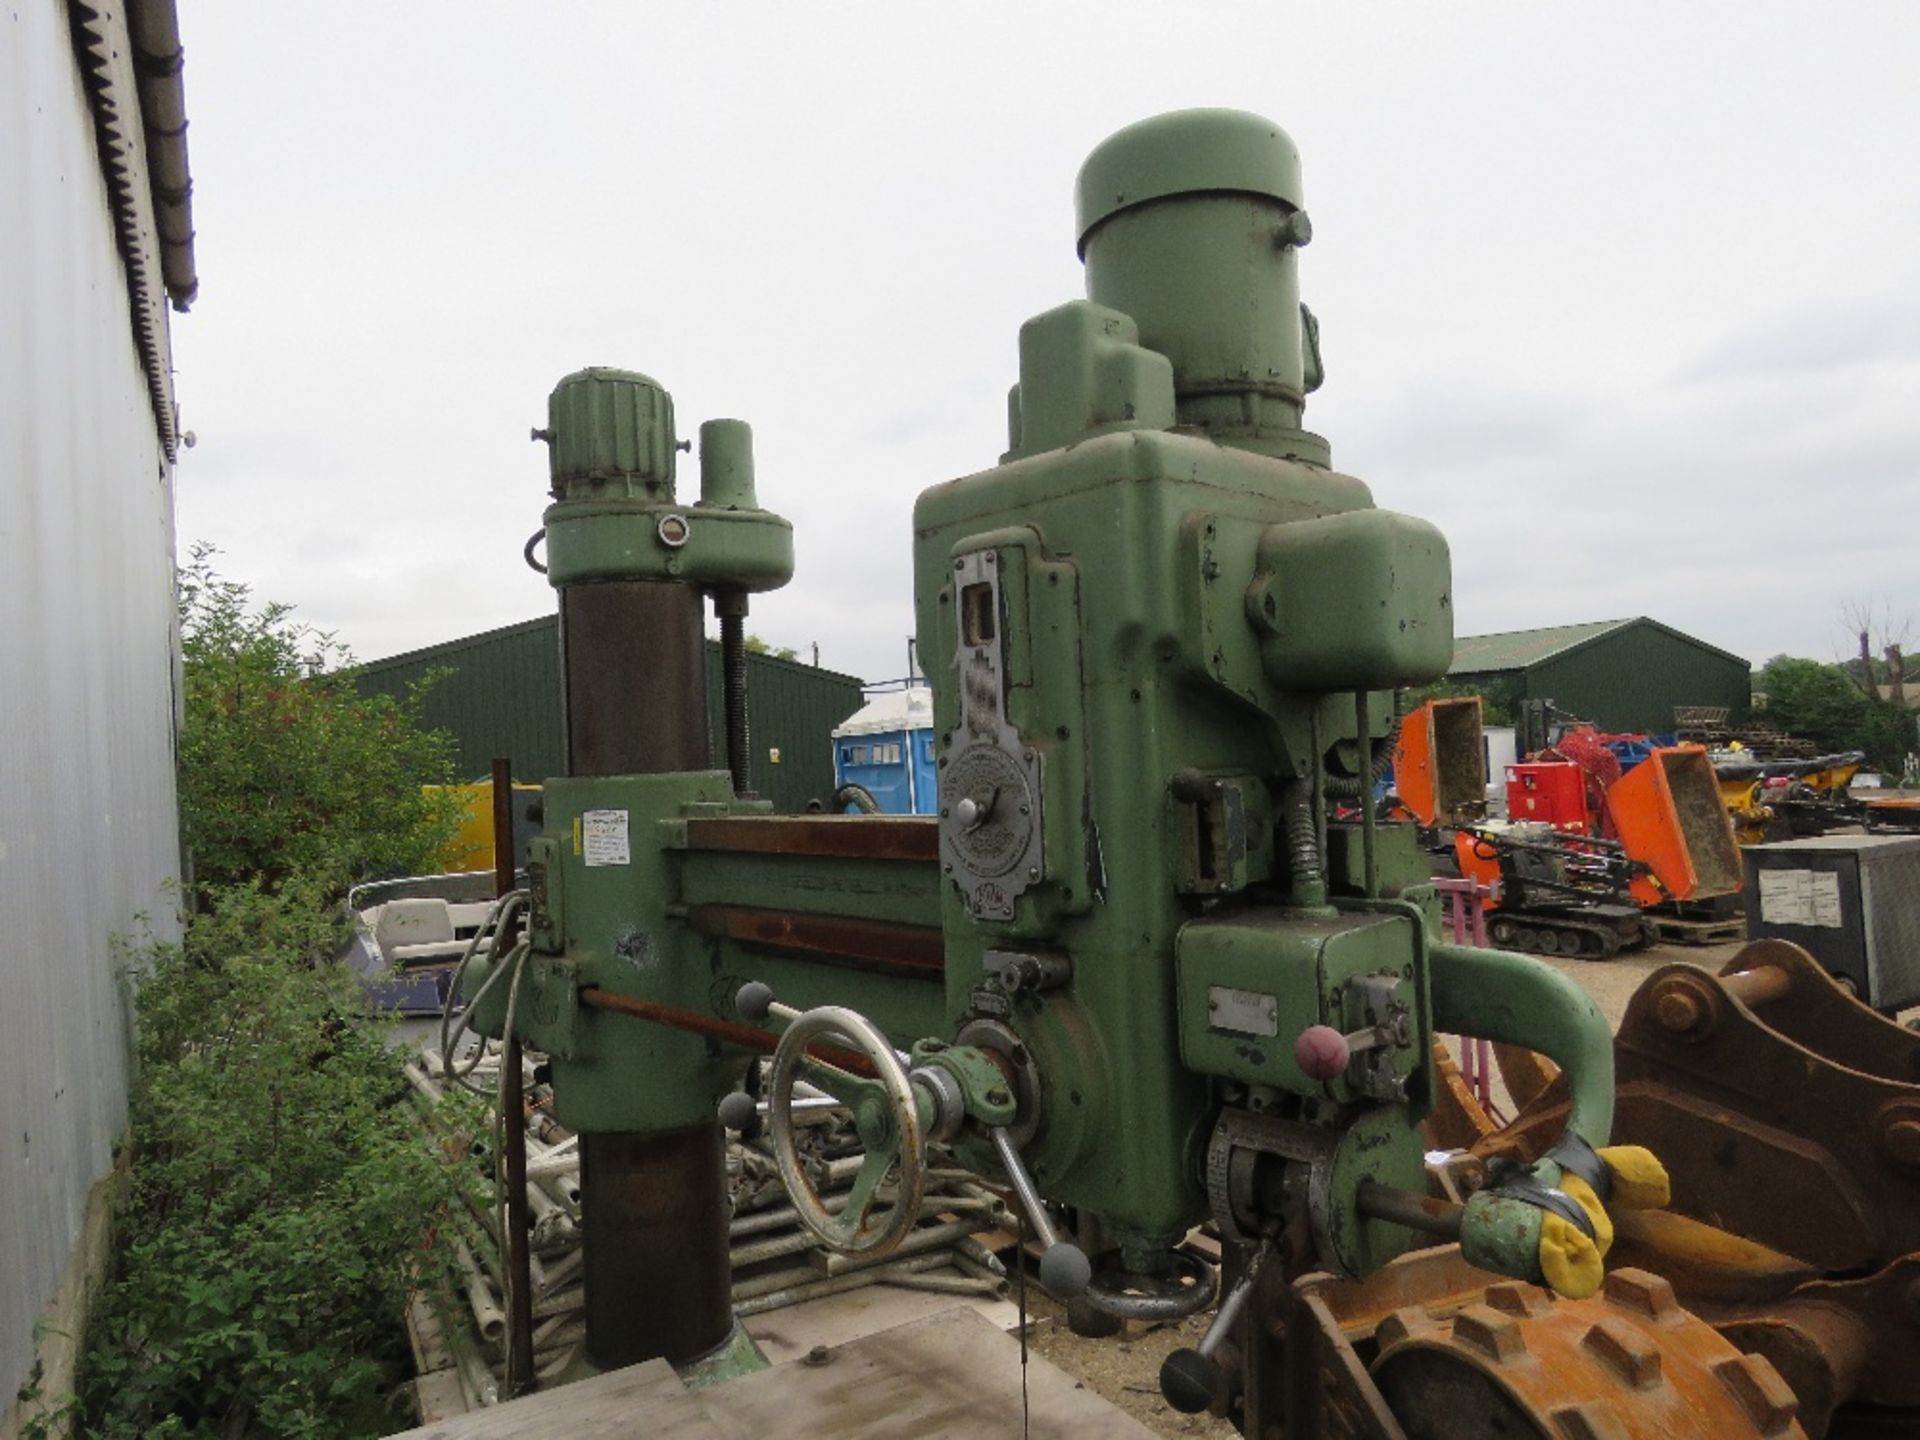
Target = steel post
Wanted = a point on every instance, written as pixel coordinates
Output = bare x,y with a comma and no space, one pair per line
655,1216
634,664
653,1206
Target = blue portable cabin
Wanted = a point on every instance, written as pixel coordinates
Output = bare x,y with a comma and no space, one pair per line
887,746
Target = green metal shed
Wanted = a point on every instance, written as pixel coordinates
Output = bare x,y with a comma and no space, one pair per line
499,694
1621,674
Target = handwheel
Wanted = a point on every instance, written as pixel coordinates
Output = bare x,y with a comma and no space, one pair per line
885,1115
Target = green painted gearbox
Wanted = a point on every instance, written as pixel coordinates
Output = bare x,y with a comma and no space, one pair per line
615,514
1250,984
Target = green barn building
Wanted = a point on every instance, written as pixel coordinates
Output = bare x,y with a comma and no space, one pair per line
498,693
1624,675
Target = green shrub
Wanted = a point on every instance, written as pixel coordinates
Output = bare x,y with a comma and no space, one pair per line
281,1203
1823,704
285,768
279,1195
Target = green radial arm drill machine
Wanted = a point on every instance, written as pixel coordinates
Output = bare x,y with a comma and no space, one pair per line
1137,967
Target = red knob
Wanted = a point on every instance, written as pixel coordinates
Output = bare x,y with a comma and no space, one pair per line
1322,1052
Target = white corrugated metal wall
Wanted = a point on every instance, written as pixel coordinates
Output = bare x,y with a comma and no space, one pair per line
88,831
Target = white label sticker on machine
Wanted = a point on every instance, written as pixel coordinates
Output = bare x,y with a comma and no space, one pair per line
603,838
1245,1012
1800,897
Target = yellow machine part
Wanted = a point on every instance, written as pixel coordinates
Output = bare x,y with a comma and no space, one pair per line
1748,816
471,847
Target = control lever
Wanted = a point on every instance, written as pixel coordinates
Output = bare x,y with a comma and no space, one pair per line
1324,1053
1064,1267
1189,1378
886,1115
754,1002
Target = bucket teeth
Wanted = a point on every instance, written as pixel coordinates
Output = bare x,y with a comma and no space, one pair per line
1494,1333
1629,1352
1643,1293
1409,1324
1517,1298
1760,1391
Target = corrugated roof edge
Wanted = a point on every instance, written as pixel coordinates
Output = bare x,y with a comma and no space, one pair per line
129,65
1649,620
447,648
453,647
1611,627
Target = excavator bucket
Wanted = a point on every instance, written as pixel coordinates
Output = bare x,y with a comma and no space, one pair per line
1440,764
1669,813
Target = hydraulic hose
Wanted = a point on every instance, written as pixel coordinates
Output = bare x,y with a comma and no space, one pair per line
1306,874
1347,787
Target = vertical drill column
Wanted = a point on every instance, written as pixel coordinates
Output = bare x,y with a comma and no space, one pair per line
633,655
654,1204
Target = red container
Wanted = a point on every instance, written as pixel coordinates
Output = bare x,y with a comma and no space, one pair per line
1549,790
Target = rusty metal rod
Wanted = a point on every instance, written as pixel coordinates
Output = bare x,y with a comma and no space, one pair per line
1759,986
513,1120
1404,1207
727,1032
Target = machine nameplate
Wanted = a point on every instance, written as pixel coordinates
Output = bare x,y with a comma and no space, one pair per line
990,1003
602,838
1245,1012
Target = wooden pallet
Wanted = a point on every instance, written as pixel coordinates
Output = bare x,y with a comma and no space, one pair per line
1675,931
952,1375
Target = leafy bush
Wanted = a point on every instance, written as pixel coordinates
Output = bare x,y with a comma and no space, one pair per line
285,768
273,1222
1821,703
279,1194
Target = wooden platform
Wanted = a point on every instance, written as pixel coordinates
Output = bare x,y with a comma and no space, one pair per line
1674,931
954,1374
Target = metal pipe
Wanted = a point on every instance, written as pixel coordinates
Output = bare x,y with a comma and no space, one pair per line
1491,995
916,1243
1404,1207
570,1301
1363,723
948,1284
655,1229
731,605
563,1269
476,1378
728,1032
780,1219
154,27
513,1107
488,1317
1759,986
967,1265
971,1249
832,1285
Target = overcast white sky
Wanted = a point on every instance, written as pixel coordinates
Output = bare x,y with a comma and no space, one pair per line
1626,300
